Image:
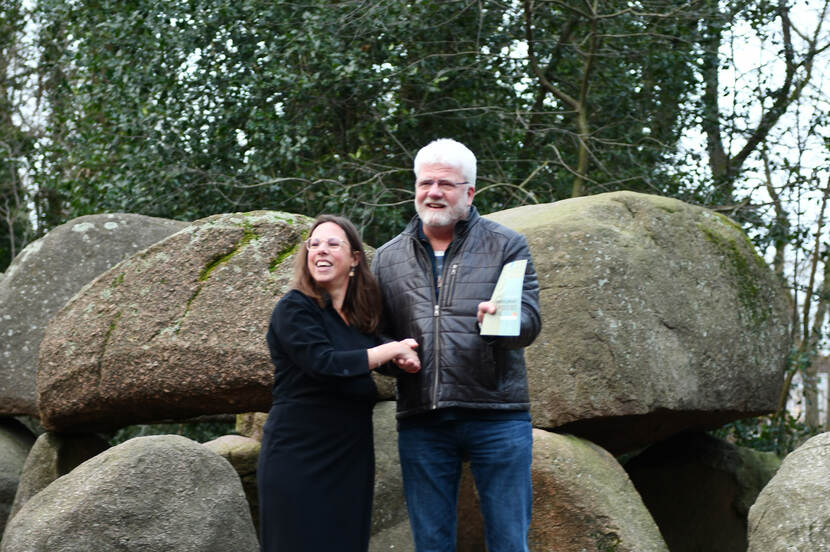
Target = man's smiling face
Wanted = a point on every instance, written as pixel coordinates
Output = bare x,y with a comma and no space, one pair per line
438,203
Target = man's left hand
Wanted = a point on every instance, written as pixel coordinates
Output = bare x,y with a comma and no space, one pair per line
486,307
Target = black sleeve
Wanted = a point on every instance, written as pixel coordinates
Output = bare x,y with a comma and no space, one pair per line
385,315
297,329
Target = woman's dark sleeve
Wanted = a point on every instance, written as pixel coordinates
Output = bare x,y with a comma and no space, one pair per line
389,368
297,329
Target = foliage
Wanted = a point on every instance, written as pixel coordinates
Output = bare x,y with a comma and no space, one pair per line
780,432
15,144
200,432
187,108
771,433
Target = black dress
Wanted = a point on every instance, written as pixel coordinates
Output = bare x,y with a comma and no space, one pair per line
317,466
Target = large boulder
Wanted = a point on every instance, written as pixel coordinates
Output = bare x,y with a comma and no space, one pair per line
658,316
45,275
174,331
53,456
583,501
15,443
792,513
149,494
389,514
699,490
251,424
243,454
397,538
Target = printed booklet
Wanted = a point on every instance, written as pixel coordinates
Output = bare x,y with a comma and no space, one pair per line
508,299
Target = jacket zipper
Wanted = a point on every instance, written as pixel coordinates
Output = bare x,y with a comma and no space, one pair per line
449,283
436,340
436,316
443,284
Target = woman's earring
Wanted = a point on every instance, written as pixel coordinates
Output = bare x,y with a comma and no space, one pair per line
351,272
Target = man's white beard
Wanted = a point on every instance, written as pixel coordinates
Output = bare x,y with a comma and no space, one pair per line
448,217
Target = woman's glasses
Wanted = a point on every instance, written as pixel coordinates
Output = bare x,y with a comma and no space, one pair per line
333,244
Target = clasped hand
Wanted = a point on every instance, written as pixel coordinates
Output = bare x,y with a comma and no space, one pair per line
408,360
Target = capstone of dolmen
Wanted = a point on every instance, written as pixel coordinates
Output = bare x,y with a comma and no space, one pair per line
657,316
175,331
45,275
792,513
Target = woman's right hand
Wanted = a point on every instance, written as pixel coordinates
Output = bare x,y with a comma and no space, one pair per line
401,352
407,360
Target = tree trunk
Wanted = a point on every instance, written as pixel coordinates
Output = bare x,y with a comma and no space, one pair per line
811,399
827,404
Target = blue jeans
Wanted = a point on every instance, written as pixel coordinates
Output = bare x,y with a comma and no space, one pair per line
499,453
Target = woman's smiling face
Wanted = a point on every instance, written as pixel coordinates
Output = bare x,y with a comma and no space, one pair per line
330,257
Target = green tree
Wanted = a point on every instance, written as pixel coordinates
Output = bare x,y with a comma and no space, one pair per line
15,143
183,109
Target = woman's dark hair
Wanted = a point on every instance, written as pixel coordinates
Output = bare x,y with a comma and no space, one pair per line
362,303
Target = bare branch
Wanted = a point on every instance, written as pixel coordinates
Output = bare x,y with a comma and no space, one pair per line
531,55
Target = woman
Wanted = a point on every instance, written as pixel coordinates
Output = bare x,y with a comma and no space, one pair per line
316,466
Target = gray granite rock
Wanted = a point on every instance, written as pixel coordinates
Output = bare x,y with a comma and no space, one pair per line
792,513
149,494
46,274
15,443
243,454
53,456
658,316
175,331
389,514
582,501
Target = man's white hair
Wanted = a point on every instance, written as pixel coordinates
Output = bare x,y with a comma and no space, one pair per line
446,151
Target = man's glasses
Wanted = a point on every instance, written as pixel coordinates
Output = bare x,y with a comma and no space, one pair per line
444,185
333,244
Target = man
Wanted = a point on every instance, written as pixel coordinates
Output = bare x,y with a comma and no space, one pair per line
470,399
